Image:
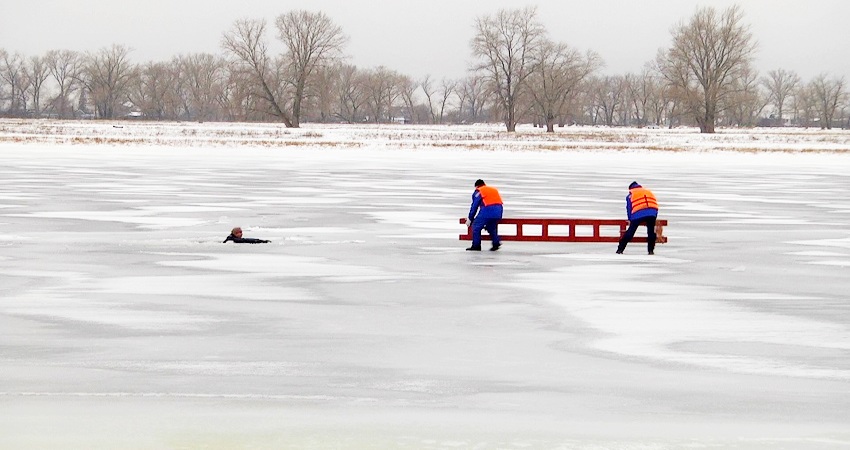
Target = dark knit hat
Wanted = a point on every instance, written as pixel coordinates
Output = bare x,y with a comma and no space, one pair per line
479,182
634,185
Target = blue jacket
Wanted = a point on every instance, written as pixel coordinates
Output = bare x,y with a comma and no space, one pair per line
486,212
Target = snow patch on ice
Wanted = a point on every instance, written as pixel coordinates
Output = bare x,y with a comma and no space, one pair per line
279,266
124,216
815,254
838,263
249,287
301,230
416,219
13,237
641,316
840,243
61,308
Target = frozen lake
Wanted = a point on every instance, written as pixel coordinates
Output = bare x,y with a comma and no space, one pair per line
126,323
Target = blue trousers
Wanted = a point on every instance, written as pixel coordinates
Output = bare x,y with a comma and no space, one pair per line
633,226
492,227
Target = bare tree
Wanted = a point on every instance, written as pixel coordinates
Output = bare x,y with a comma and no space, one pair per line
587,104
448,88
237,99
204,76
246,44
804,105
645,96
437,99
571,112
312,41
638,98
177,99
828,94
151,89
708,54
64,67
472,98
657,103
504,44
107,76
747,101
559,69
13,74
407,90
38,72
609,94
3,93
350,93
380,86
324,92
377,84
780,85
665,103
427,86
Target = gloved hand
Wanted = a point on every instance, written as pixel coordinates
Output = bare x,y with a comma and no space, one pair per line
468,223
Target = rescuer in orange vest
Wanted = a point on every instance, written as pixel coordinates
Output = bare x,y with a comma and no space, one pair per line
642,209
487,203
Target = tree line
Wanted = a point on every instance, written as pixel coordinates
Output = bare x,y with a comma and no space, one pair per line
705,77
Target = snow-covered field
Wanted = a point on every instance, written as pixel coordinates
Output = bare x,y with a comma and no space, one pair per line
126,323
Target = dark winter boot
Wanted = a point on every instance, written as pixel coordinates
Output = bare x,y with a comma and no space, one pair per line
474,248
495,247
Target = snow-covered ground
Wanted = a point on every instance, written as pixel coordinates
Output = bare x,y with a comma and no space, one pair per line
126,323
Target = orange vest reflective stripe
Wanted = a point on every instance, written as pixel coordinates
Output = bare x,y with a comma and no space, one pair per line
489,196
642,199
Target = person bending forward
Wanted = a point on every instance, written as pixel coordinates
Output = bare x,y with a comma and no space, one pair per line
484,214
642,209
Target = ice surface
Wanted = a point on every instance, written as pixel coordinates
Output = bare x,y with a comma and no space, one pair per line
126,323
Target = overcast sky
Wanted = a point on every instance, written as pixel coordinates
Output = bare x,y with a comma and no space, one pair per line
430,36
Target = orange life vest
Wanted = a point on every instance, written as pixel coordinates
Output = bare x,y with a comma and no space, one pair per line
489,195
642,199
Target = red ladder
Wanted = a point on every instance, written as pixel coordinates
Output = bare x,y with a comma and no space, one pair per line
565,230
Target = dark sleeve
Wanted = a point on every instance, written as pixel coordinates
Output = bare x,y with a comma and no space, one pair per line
245,240
252,241
476,202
